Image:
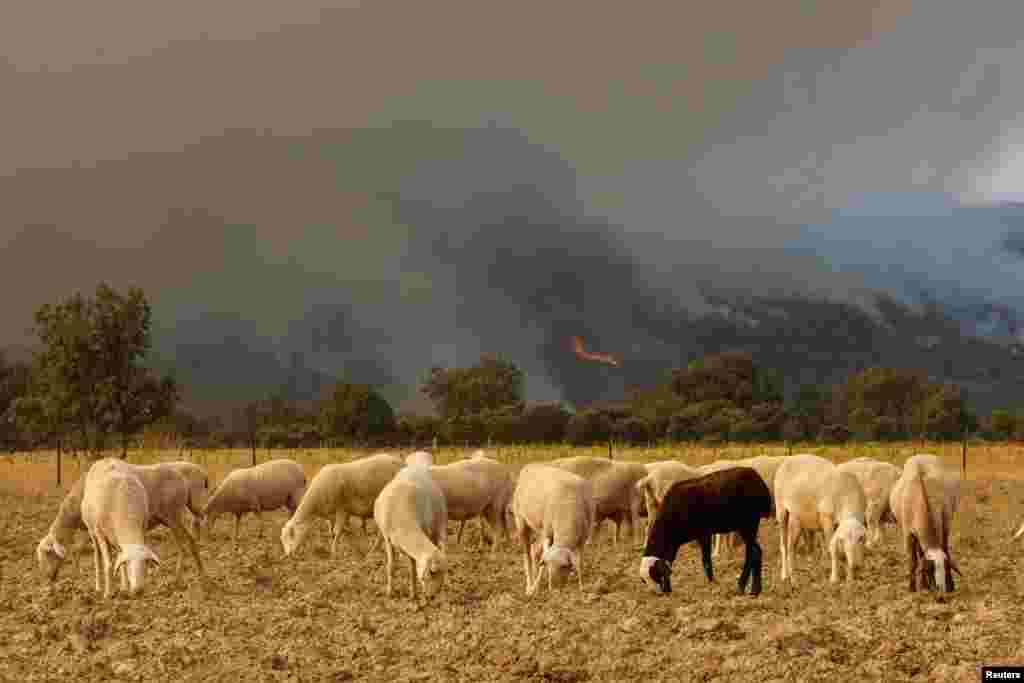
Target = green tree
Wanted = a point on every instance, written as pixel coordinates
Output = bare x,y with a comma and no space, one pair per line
355,412
491,384
15,380
90,373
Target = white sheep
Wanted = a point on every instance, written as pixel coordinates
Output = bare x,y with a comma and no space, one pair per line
169,496
560,508
877,479
811,492
53,548
198,480
499,483
412,514
614,488
337,492
658,481
925,530
268,486
115,508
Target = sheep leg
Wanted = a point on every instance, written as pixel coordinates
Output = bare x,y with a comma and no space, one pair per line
107,568
791,535
336,525
523,533
458,536
753,562
389,553
783,524
705,556
578,563
238,519
748,556
911,548
96,560
185,543
412,576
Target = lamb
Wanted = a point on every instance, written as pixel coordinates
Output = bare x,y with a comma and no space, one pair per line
115,509
877,479
615,489
268,486
419,458
925,530
52,549
733,499
337,492
811,492
561,509
500,484
656,484
412,514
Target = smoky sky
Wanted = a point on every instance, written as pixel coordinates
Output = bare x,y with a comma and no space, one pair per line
386,186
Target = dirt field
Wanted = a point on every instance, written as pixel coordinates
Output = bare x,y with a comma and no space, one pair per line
310,618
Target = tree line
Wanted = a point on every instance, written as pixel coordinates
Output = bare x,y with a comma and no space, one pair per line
88,388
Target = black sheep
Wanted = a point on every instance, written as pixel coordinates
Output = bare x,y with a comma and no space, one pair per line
729,500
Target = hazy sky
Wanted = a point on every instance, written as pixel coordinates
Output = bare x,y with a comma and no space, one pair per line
491,176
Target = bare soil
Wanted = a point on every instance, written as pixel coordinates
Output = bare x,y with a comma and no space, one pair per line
310,618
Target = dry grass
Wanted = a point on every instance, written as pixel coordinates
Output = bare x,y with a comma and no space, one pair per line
311,618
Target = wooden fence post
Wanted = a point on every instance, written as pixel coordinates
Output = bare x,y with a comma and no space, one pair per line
963,460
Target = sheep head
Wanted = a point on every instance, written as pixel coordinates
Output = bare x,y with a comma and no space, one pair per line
656,573
559,563
432,570
851,537
134,558
50,554
292,535
934,570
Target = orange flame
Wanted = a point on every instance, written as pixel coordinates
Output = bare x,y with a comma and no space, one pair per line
577,348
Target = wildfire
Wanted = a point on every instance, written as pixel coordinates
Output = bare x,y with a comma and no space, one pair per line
580,351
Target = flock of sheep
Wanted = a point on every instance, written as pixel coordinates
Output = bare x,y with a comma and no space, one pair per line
551,509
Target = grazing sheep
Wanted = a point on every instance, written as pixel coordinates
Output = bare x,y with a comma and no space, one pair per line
766,466
472,490
560,508
733,499
926,530
661,476
53,548
419,458
265,487
500,485
812,493
411,513
115,508
877,479
615,491
198,480
169,494
337,492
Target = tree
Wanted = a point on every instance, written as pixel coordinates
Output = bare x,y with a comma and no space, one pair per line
15,379
489,385
355,412
89,373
